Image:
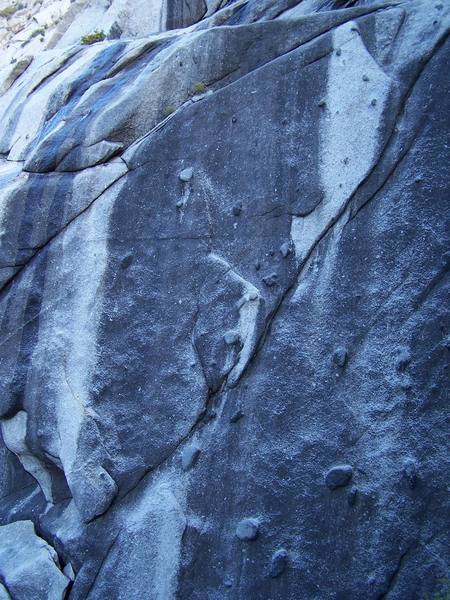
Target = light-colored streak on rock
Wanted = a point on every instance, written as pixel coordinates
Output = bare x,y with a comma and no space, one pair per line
85,311
349,138
250,313
224,343
70,316
3,593
86,186
171,524
159,517
14,432
89,184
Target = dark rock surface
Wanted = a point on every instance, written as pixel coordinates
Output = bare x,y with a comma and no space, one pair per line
224,333
338,476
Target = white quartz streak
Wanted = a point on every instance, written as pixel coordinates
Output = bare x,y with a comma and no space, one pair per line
349,139
70,318
157,522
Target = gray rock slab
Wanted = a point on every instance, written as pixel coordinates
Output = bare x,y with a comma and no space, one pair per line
29,567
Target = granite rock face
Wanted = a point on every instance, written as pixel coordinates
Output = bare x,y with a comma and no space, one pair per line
224,334
29,567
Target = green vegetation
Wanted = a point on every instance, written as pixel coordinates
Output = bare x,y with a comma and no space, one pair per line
36,32
91,38
199,88
10,10
168,110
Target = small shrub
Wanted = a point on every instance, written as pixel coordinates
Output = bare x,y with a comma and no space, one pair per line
36,32
199,88
168,110
91,38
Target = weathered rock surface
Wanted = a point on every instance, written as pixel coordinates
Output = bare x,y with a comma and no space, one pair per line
247,530
29,567
338,476
278,563
224,333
